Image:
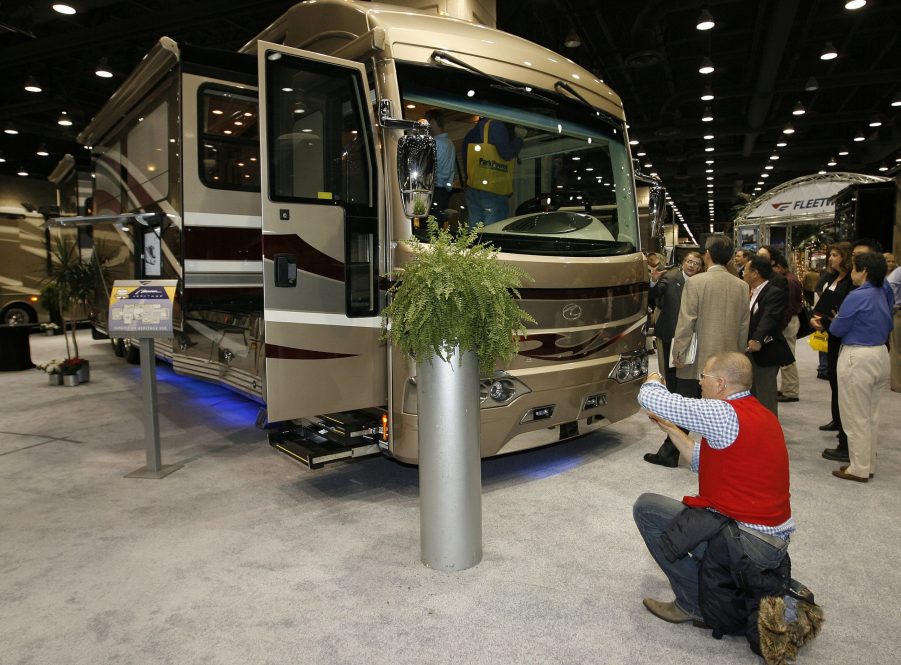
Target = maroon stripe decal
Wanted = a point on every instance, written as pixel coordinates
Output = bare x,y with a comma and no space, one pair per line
309,259
584,294
222,244
290,353
550,349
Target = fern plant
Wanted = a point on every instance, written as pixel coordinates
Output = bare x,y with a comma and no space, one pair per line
455,293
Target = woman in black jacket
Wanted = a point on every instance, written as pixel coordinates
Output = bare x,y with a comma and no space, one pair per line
824,311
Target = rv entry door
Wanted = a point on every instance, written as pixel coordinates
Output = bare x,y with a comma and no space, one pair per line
320,179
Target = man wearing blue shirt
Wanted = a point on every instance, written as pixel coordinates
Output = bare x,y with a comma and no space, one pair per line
863,323
894,281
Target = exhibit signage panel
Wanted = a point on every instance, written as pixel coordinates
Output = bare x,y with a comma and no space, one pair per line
141,308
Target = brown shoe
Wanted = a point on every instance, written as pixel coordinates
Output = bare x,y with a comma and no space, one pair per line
845,468
668,611
838,473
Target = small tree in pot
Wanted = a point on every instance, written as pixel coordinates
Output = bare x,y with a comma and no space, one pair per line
454,311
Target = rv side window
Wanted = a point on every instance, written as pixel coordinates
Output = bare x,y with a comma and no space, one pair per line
147,165
317,144
229,139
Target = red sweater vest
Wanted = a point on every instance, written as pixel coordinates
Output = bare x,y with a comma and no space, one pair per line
747,481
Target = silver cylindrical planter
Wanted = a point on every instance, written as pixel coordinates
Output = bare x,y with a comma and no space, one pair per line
450,469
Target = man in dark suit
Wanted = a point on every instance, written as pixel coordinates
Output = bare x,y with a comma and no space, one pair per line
667,293
766,345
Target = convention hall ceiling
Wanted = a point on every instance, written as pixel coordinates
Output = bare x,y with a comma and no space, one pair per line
766,57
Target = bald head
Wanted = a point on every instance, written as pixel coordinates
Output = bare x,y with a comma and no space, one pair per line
735,368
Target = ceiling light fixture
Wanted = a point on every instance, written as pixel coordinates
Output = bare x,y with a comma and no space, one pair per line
875,121
64,9
103,70
31,85
2,158
42,151
821,173
709,161
811,85
858,137
896,101
781,144
829,52
706,66
9,129
707,95
831,162
572,39
633,141
705,20
883,167
799,109
708,148
709,137
641,154
708,115
774,156
855,4
22,172
843,153
64,120
788,129
769,167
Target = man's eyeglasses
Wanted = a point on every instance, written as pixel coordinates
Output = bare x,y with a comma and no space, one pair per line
692,263
711,376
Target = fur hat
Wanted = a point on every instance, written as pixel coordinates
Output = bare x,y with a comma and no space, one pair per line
779,640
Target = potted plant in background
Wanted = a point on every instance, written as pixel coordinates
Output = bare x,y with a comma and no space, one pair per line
54,372
73,283
71,368
453,311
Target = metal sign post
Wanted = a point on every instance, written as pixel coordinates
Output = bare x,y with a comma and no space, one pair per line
143,309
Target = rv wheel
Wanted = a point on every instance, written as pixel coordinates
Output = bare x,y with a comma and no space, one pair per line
118,347
17,315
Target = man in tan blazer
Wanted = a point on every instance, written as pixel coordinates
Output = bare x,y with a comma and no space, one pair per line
715,306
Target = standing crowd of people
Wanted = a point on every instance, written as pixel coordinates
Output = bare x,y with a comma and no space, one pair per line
724,336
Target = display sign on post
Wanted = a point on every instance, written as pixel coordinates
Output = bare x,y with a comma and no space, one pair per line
142,309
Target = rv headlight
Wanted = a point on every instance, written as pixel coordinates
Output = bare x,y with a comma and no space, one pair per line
501,391
631,365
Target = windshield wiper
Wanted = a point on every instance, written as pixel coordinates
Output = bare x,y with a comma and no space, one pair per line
441,57
563,85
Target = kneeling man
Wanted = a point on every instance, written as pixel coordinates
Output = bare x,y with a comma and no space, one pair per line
742,467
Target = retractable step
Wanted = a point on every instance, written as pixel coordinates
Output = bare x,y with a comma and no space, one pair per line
330,438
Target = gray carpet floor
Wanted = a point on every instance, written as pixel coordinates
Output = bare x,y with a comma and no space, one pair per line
243,556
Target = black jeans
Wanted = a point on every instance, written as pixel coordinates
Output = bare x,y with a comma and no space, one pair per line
835,344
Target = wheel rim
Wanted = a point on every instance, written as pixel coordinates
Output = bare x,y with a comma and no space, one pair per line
16,317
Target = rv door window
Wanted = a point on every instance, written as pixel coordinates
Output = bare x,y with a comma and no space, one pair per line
147,151
229,150
317,147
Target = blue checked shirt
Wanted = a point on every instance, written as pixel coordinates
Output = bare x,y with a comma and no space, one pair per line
714,419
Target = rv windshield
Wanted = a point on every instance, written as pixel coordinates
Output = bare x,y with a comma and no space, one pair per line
545,173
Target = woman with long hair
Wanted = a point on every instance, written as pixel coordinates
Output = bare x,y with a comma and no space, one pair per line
826,309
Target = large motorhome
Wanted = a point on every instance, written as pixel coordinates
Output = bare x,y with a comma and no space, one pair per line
270,182
23,266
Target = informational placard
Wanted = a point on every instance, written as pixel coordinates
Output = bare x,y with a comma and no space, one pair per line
141,308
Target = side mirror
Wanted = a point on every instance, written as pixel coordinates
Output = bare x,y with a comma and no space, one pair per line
416,159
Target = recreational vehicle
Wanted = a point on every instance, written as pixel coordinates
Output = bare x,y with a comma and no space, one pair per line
23,266
269,184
